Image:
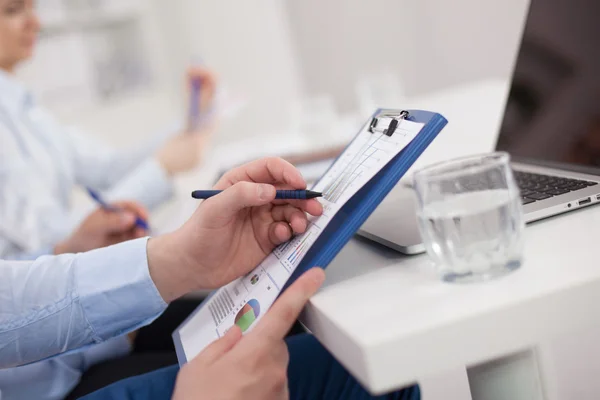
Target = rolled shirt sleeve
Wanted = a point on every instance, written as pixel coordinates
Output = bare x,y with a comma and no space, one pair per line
56,304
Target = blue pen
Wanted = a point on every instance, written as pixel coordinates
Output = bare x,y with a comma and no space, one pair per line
195,104
280,194
138,221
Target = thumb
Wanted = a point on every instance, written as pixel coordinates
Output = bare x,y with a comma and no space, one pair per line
239,196
220,347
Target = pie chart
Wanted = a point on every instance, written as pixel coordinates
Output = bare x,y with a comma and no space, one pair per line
248,314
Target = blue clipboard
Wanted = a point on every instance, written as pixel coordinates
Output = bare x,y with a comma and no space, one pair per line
355,212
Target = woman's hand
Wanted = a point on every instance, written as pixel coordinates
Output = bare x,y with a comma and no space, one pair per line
184,152
104,228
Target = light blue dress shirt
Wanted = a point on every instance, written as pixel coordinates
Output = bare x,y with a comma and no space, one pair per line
64,303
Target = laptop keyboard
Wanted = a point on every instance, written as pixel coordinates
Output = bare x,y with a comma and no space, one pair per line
535,187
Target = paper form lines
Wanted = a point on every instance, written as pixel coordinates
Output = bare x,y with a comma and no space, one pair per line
355,167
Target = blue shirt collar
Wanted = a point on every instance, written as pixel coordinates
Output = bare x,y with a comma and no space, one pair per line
13,94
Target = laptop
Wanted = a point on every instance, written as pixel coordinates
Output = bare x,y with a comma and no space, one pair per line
550,126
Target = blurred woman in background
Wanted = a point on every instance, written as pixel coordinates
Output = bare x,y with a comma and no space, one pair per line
42,162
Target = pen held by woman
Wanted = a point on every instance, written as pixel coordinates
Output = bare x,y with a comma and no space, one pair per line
139,222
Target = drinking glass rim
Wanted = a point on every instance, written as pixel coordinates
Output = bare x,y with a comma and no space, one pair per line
437,171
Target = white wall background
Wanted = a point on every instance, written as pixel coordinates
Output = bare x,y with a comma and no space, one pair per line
248,45
273,52
429,44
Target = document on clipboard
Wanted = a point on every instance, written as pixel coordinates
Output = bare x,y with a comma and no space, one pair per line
244,301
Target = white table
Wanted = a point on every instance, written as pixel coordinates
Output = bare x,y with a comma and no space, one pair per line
392,322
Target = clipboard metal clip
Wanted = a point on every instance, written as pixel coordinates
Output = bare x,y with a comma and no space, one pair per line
393,115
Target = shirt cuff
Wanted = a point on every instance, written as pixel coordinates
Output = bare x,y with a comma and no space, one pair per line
149,184
115,289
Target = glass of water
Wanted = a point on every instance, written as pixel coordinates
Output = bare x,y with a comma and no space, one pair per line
470,217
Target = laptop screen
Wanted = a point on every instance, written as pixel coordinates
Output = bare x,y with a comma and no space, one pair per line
553,109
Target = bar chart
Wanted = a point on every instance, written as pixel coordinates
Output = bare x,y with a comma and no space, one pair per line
291,253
